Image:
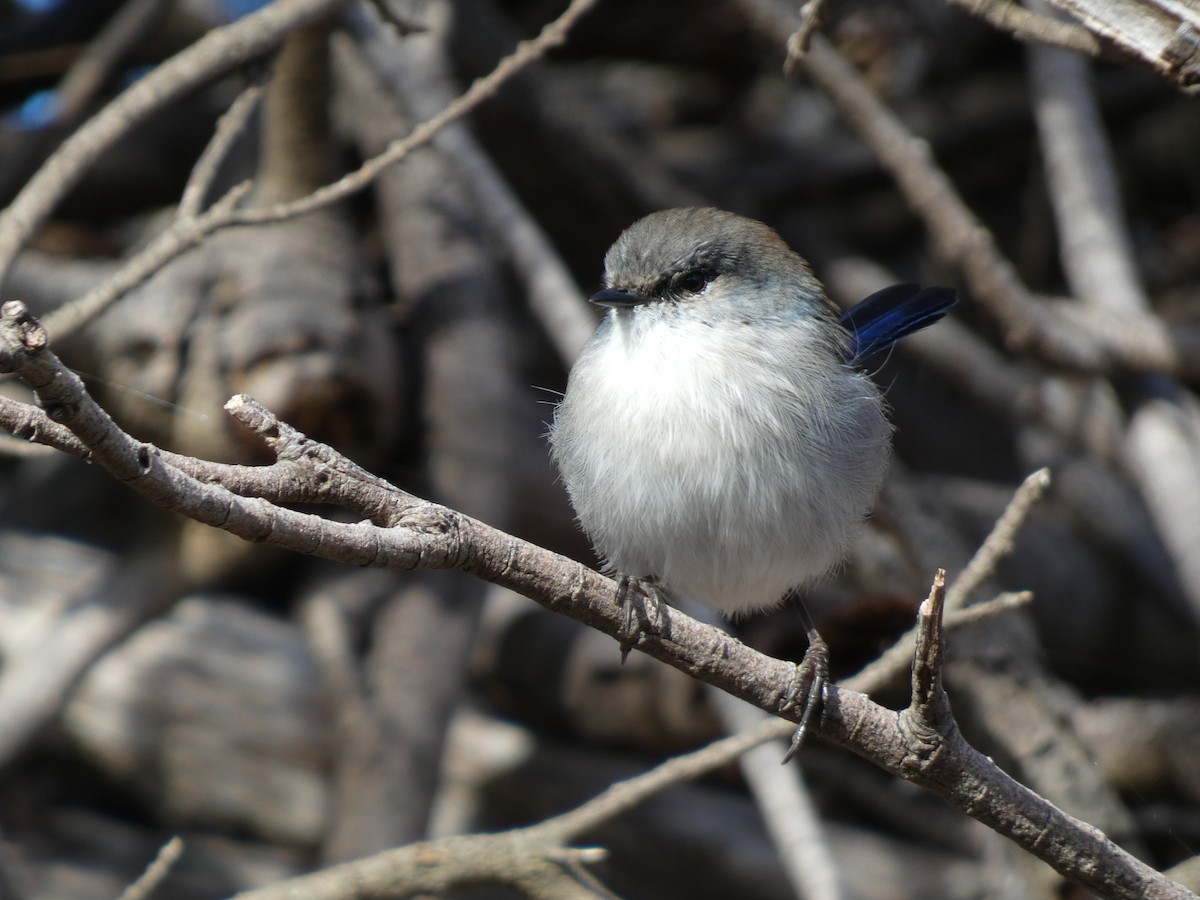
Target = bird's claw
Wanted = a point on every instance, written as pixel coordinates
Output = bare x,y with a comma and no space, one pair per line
813,670
627,587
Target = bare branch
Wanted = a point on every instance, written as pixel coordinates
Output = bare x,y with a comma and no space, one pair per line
89,73
1162,33
1000,542
149,881
420,78
551,36
188,231
1088,340
1027,25
229,127
1162,439
922,745
179,237
217,52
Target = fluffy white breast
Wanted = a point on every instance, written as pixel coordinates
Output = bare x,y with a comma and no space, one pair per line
730,461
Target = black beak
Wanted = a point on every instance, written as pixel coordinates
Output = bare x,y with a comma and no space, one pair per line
614,298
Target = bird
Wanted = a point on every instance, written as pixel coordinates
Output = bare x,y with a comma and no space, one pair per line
719,437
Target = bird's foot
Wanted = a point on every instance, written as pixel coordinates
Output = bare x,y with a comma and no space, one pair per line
628,587
809,682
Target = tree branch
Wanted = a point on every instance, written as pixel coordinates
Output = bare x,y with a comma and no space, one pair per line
217,52
921,745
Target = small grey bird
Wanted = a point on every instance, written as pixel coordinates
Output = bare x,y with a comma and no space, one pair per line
718,436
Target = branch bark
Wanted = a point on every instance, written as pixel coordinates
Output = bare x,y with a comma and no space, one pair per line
922,744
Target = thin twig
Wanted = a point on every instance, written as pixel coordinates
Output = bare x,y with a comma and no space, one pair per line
158,869
812,14
186,233
999,542
552,35
218,51
1001,603
420,78
896,659
231,124
176,239
625,795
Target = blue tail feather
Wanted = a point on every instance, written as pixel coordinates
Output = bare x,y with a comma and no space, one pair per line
892,313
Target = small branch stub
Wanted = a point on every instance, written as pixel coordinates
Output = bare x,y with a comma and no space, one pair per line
18,321
929,701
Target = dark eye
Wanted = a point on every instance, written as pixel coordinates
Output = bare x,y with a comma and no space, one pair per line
693,282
